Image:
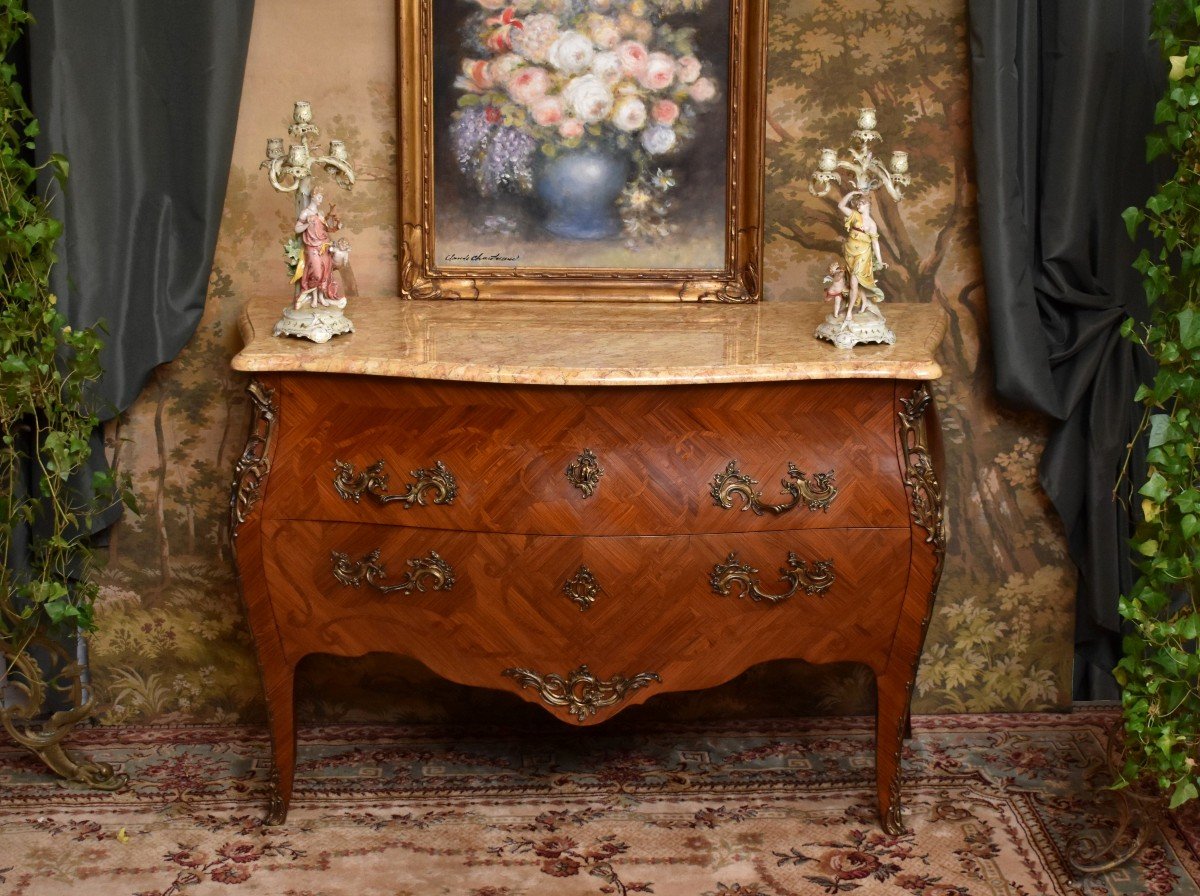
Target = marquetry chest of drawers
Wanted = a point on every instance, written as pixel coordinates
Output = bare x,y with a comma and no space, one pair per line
590,505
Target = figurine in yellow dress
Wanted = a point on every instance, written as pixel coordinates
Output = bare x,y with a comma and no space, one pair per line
862,254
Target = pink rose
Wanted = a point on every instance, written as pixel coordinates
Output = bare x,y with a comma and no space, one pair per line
658,73
570,128
664,112
547,111
689,69
528,85
703,90
633,57
478,74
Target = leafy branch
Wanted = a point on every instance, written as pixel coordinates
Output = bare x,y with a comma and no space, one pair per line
1159,672
46,419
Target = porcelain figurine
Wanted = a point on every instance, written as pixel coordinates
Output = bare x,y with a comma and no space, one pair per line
312,253
862,258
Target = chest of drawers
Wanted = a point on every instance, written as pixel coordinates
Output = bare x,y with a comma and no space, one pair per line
590,505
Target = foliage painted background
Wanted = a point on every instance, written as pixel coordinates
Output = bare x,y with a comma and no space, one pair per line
173,643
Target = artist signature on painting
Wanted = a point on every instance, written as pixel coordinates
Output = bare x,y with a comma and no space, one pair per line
482,256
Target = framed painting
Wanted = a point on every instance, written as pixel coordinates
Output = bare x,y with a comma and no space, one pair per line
581,149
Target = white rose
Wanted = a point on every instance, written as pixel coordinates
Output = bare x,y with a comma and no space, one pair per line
571,53
658,73
658,139
534,39
607,67
629,114
589,97
703,90
689,69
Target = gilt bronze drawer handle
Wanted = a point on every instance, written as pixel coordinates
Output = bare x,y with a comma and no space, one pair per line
585,473
373,481
581,691
737,579
432,573
816,494
582,588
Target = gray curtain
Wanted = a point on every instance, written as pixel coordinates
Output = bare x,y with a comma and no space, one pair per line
142,98
1063,96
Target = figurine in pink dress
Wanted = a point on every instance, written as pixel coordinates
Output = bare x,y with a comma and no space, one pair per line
314,274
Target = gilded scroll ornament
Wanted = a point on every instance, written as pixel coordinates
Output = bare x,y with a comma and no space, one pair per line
254,464
581,691
21,716
732,577
373,481
582,588
816,494
425,573
925,492
585,473
919,475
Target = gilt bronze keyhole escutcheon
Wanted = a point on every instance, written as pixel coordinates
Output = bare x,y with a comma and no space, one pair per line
585,473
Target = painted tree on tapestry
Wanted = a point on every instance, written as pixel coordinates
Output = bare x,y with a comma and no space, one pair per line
909,60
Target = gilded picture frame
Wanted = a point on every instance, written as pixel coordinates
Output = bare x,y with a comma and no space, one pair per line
495,101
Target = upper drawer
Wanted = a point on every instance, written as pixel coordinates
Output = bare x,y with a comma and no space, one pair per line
662,451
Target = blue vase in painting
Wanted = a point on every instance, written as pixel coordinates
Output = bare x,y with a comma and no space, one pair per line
579,190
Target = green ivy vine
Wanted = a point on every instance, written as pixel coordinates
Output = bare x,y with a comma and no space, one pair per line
1159,672
45,415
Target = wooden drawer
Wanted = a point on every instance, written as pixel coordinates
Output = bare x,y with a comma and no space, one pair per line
655,610
508,449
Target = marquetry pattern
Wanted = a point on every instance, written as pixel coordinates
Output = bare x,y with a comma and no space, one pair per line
508,448
581,692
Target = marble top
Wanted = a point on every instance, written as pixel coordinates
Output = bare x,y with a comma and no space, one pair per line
577,343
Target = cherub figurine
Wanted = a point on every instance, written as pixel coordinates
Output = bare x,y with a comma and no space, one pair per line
836,289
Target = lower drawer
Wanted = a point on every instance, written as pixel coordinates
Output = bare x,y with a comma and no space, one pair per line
471,606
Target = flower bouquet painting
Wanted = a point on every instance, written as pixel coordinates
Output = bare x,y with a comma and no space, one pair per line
576,135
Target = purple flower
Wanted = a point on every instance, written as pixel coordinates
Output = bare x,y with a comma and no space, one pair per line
497,158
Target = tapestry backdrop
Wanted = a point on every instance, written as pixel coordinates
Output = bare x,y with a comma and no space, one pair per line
173,644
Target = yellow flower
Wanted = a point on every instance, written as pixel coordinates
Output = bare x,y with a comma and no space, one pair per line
638,8
1177,63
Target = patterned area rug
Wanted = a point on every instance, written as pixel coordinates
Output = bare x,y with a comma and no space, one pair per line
764,809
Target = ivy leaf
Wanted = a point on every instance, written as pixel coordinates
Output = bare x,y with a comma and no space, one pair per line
1156,488
1159,423
1189,328
1132,217
1185,790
